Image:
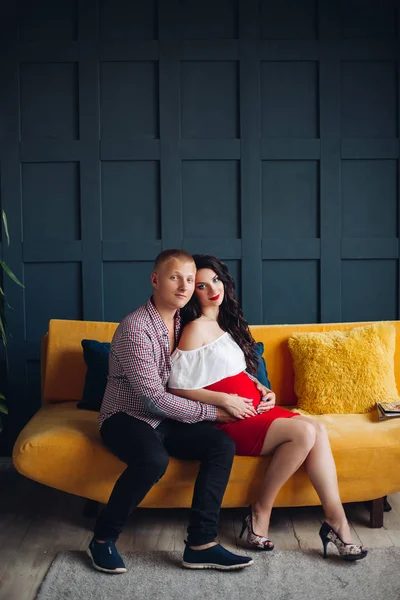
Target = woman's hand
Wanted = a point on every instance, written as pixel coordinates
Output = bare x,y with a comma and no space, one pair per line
262,389
239,407
267,402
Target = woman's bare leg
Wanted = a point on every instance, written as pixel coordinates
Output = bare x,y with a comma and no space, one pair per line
291,441
321,469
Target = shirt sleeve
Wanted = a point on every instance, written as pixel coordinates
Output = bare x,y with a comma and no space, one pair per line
136,357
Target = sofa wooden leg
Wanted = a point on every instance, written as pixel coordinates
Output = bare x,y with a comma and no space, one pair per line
91,509
386,506
376,512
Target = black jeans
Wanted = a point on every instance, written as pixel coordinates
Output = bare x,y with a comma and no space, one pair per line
146,452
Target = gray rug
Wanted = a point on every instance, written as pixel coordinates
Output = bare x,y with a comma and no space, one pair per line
280,575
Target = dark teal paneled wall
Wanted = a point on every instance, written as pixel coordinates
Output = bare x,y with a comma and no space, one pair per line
264,132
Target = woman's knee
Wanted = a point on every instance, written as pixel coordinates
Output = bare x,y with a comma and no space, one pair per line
320,429
305,434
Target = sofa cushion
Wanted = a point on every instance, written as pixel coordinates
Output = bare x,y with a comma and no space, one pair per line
262,373
96,358
61,447
344,371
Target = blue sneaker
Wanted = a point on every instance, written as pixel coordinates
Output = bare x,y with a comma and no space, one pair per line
105,557
215,557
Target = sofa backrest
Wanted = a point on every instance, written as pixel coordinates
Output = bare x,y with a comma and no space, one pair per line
64,369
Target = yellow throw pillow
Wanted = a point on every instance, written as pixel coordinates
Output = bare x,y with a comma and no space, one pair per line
344,371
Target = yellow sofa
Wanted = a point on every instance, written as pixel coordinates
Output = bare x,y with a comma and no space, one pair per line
61,446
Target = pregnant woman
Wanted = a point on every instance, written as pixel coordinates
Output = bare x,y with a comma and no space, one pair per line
216,354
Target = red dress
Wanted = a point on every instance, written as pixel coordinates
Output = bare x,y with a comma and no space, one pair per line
248,434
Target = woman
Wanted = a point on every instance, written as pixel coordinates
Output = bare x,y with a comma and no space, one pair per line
216,353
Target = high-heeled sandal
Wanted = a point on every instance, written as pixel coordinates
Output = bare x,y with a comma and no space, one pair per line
346,551
258,541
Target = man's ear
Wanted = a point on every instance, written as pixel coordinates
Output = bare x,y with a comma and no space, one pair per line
154,279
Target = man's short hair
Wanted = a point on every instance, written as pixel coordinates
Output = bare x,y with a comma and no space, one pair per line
166,255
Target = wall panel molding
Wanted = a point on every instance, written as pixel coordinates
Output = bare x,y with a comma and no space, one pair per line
265,136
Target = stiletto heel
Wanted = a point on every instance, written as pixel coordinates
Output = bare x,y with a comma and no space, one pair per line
257,541
244,525
346,551
325,542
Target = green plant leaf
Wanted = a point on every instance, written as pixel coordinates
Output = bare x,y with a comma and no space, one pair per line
4,299
3,332
1,425
11,275
2,313
3,409
2,397
4,339
5,223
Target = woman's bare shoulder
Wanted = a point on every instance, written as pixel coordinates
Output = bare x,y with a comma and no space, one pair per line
192,336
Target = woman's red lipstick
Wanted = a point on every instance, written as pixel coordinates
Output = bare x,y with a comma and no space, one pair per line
215,297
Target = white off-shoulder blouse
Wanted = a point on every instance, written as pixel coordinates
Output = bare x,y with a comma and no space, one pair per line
195,369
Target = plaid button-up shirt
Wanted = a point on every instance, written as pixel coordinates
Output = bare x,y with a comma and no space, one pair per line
138,370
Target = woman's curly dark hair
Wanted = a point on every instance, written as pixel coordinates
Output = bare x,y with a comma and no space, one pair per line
230,317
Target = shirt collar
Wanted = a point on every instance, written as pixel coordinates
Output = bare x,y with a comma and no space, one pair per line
156,317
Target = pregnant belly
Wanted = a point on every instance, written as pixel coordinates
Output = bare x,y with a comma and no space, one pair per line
239,384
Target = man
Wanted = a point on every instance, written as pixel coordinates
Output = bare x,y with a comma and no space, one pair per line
143,424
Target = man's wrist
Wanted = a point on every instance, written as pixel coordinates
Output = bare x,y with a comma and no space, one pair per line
212,412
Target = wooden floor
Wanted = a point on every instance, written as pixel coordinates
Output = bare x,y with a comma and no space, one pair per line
36,522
